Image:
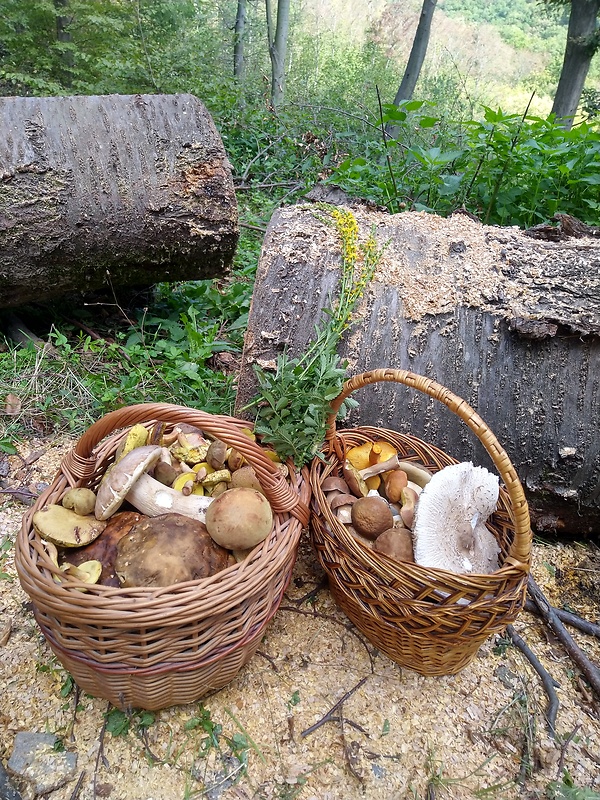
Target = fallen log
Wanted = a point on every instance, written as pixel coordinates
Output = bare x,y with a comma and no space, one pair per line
110,191
509,323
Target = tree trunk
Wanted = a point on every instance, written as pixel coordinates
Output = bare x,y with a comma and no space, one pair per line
416,58
238,41
579,50
116,190
278,47
63,35
509,323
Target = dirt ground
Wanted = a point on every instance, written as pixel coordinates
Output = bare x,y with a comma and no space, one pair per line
398,735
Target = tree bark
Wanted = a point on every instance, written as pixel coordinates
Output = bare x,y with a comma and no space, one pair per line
278,36
63,35
114,190
509,323
238,40
580,48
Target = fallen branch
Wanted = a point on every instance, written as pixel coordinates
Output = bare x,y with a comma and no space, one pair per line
331,713
591,628
548,681
587,667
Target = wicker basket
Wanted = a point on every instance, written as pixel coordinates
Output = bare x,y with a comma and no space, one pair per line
152,648
430,620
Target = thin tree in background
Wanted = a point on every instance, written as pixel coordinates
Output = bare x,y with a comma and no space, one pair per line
239,31
277,35
415,59
417,53
63,35
582,44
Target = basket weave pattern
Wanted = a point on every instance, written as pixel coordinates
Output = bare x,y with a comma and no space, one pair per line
151,648
430,620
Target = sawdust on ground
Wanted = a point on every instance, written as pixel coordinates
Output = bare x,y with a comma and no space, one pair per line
401,735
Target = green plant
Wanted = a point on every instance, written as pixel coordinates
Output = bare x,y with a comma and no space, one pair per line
6,546
565,789
292,405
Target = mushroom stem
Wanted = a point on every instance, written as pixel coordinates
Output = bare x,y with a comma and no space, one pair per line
152,498
383,466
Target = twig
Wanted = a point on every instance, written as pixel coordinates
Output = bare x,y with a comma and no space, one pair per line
589,669
563,750
330,714
306,598
548,681
77,788
350,752
385,146
100,754
252,227
247,188
268,658
591,628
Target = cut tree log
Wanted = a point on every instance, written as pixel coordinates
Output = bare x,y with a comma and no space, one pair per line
509,323
110,191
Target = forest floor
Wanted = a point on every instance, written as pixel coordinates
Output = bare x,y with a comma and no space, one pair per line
481,733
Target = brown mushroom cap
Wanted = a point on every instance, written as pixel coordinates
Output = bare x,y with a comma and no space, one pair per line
120,478
245,476
371,516
168,549
104,548
396,543
239,518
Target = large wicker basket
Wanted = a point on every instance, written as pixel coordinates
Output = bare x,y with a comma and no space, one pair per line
152,648
430,620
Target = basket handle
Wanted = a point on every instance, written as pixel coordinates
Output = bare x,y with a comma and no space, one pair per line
522,544
79,464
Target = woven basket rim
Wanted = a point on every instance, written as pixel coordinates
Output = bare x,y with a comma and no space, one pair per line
90,456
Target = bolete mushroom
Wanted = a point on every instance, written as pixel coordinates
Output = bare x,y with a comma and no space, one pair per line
394,482
81,500
395,542
239,518
64,528
104,548
117,481
168,549
371,516
245,476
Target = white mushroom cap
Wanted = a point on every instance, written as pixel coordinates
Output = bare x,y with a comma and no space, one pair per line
449,530
120,478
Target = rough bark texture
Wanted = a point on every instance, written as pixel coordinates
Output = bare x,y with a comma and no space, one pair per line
509,323
129,190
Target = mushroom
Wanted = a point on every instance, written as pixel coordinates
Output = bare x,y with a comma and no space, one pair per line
354,480
333,483
137,436
395,481
104,548
449,531
153,499
64,528
239,518
87,571
216,454
118,481
395,542
381,466
168,549
371,516
416,472
81,500
381,451
245,476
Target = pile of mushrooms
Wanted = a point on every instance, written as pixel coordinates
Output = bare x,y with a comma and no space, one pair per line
400,509
173,507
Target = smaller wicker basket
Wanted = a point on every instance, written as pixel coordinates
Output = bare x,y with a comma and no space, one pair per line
153,648
430,620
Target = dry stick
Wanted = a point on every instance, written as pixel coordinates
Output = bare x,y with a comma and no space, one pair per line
587,667
563,750
591,628
100,754
75,793
548,681
330,714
